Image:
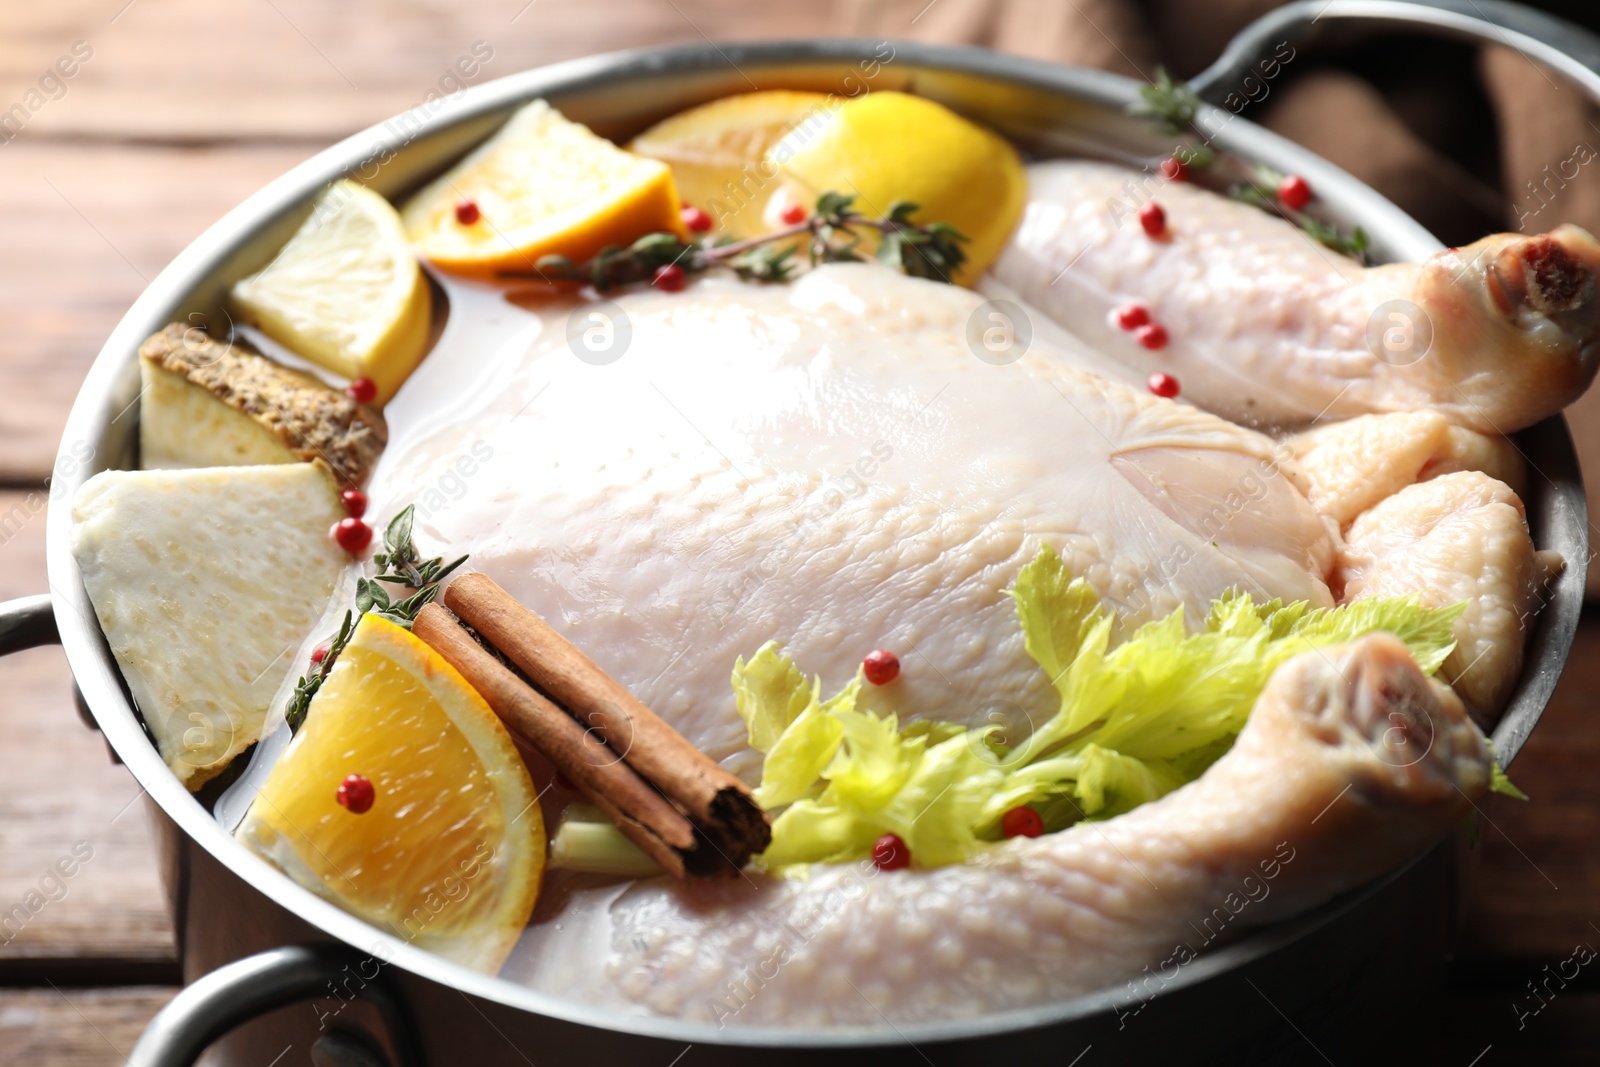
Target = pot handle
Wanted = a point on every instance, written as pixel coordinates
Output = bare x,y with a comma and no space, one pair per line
1564,47
236,993
27,622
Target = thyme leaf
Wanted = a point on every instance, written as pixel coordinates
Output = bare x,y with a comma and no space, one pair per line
1353,244
400,564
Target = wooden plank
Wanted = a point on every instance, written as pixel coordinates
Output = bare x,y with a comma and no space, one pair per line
95,224
75,1027
65,803
1535,895
302,69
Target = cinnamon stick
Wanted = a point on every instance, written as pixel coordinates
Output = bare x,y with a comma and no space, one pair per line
718,803
647,818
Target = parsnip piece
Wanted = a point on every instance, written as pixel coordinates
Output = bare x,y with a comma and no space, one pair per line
209,403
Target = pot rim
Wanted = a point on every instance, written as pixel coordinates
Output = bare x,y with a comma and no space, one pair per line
96,410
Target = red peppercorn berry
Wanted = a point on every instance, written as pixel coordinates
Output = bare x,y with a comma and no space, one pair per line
793,215
362,390
1294,191
352,534
355,502
1163,385
1174,170
889,853
1131,316
1152,335
320,653
881,667
467,212
1153,218
1021,822
670,278
695,219
356,794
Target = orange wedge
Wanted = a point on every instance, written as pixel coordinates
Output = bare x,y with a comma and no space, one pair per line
540,186
450,854
716,151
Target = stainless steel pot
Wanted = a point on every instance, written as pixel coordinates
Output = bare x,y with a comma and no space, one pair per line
277,970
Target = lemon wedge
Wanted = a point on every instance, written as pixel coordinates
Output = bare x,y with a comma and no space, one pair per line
346,292
540,186
717,151
889,146
450,853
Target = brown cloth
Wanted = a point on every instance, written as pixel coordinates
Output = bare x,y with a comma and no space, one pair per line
1469,140
1466,139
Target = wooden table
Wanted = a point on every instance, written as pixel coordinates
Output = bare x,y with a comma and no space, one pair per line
182,108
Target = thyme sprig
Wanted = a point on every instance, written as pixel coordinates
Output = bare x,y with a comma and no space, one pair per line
402,565
1169,103
834,233
1173,108
1256,191
1352,244
399,565
307,686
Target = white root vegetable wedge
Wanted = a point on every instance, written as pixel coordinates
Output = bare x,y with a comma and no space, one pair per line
1352,762
205,583
208,403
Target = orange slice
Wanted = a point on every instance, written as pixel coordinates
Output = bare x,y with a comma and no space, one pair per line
717,151
540,186
451,852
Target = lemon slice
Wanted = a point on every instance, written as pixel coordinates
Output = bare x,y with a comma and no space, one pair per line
540,186
717,151
888,146
450,854
346,292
